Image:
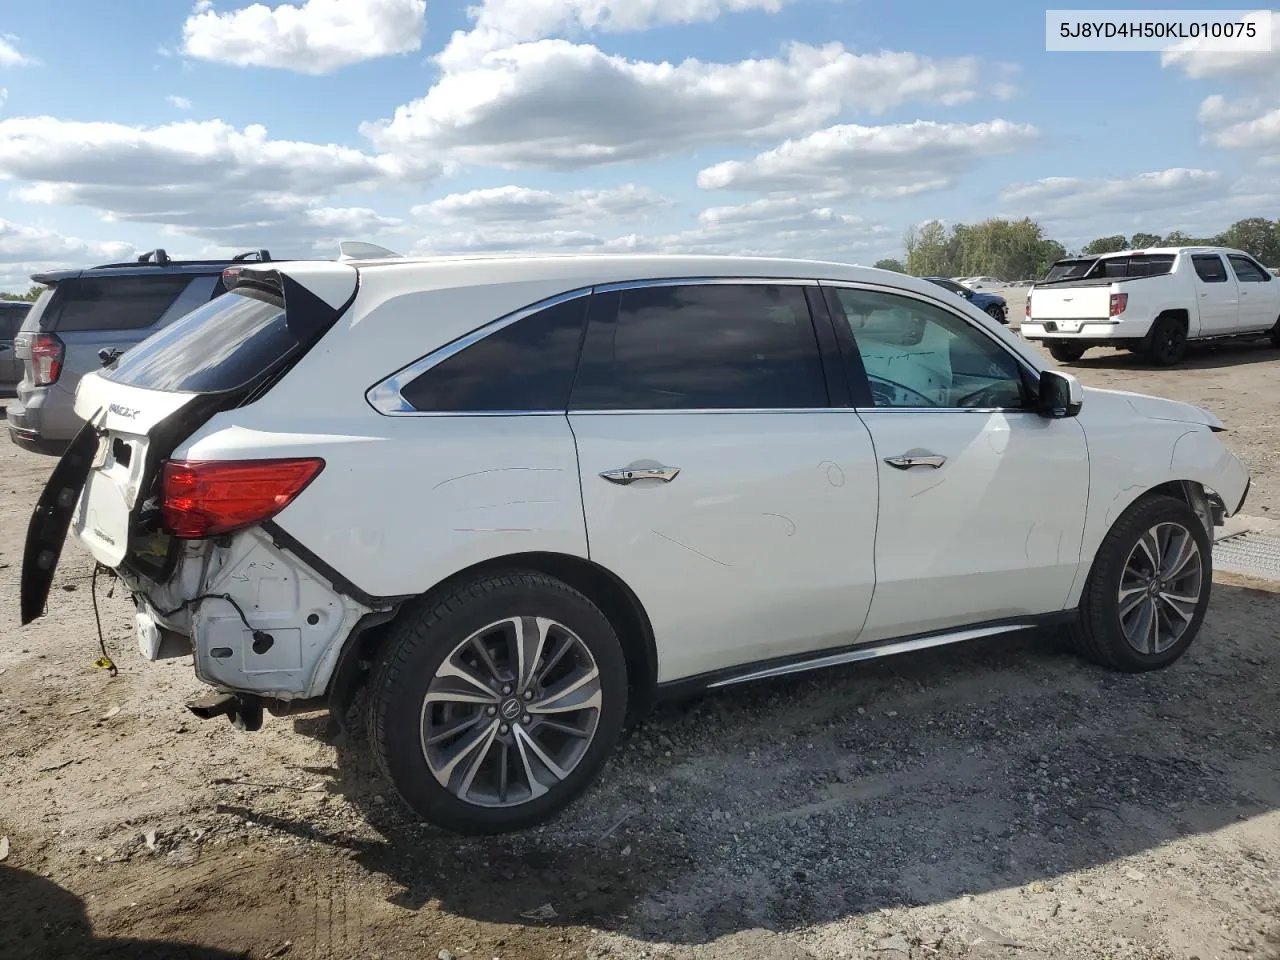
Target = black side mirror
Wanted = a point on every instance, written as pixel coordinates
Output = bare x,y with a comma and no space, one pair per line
1060,395
109,355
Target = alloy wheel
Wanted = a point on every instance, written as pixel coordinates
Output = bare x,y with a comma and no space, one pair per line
1160,588
511,712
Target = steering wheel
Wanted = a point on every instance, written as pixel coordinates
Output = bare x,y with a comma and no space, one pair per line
890,393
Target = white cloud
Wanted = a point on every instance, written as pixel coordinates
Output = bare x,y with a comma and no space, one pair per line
1259,133
1251,66
202,179
1145,191
789,227
503,23
314,37
1186,199
182,103
894,160
26,249
556,104
522,205
10,55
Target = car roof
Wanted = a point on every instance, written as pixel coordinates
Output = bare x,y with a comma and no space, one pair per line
153,264
594,269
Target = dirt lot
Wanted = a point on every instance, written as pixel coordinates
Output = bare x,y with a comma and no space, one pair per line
1001,800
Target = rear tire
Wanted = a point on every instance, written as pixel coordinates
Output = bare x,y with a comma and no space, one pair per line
494,706
1166,342
1125,585
996,314
1066,352
1275,334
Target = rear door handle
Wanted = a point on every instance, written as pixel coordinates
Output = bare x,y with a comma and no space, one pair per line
625,475
906,462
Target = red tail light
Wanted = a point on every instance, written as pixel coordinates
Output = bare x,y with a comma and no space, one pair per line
47,353
1119,301
1028,312
203,498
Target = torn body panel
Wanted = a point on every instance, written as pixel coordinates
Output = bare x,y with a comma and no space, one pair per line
259,620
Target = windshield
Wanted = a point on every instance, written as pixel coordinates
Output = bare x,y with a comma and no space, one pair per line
219,346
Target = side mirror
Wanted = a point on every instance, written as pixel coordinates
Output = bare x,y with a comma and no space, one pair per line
1060,395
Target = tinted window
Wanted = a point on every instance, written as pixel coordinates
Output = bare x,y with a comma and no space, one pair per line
528,365
1209,268
1130,268
114,303
1246,270
11,319
1068,270
950,285
702,346
220,346
918,355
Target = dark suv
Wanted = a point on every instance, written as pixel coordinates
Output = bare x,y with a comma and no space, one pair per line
86,318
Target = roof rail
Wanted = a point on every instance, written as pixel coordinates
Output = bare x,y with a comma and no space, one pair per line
156,256
262,256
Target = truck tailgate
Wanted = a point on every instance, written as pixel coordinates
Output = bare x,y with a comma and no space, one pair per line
1071,303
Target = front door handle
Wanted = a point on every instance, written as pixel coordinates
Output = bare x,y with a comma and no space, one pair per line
625,475
907,461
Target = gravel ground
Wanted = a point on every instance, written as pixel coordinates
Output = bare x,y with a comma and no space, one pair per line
998,800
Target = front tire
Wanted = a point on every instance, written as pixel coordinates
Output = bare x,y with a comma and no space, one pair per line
494,706
1275,334
1066,352
1147,593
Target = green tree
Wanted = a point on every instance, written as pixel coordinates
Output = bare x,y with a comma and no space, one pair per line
1141,241
1256,236
890,264
928,249
32,294
1107,245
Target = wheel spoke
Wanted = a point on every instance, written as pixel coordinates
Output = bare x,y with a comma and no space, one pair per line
475,763
476,742
547,724
1182,568
1138,627
580,692
478,645
504,758
1183,606
536,789
566,644
1130,598
552,767
452,730
474,691
530,639
1150,545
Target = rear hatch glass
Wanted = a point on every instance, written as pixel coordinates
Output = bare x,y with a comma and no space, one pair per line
219,346
1068,270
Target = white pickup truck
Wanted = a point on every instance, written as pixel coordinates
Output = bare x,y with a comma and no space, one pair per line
1152,302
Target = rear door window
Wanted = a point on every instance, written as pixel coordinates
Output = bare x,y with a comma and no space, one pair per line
1209,267
702,347
220,346
113,303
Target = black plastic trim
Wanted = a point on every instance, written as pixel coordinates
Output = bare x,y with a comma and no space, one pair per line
1244,496
286,541
673,689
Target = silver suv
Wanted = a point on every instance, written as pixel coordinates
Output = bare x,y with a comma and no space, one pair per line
86,318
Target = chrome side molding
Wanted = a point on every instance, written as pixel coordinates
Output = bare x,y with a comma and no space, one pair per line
875,651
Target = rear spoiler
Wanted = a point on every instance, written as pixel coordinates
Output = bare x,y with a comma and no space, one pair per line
314,292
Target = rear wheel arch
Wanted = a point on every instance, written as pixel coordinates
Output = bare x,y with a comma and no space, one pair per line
621,607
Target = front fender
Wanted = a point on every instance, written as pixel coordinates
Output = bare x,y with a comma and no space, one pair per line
1199,455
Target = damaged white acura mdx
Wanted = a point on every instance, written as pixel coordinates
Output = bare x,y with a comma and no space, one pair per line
517,499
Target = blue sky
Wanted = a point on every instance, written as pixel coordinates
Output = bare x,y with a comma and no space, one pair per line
797,127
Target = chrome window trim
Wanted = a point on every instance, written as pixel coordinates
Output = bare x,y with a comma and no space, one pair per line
682,411
1022,363
385,396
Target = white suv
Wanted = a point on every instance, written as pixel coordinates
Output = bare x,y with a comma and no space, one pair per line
517,499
